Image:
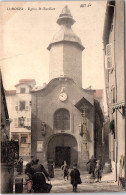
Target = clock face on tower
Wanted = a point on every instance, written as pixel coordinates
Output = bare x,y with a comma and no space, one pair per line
63,96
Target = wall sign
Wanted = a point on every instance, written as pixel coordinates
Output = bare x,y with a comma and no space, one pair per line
39,146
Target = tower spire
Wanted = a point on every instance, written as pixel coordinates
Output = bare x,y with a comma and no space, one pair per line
66,34
65,17
66,50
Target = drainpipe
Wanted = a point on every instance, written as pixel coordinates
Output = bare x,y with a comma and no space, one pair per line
116,131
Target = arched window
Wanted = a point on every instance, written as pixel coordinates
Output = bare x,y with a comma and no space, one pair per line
62,119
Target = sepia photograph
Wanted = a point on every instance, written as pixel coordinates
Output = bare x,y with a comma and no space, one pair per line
62,73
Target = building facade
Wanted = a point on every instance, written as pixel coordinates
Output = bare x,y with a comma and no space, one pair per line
62,111
8,148
19,107
113,38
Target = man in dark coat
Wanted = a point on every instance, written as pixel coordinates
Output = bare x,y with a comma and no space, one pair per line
20,166
92,163
39,175
75,177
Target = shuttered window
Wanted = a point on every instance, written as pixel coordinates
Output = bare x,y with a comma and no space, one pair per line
21,121
22,105
22,90
15,122
23,139
113,94
15,137
28,122
17,106
109,60
28,119
62,119
27,106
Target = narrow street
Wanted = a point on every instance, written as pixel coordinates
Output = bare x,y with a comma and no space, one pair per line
88,185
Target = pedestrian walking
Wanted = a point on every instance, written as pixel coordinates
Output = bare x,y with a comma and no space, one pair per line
98,171
39,176
51,168
28,170
75,177
92,162
65,169
20,166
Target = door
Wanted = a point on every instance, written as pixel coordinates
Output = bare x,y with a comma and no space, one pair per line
62,154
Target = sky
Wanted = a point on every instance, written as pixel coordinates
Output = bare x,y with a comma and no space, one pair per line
25,36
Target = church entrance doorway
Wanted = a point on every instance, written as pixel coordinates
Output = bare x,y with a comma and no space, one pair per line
62,154
62,147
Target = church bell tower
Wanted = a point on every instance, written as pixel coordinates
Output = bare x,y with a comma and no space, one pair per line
66,50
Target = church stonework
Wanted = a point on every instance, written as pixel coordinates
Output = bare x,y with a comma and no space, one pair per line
57,109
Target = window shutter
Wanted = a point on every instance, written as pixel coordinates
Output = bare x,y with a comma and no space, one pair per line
22,105
109,56
17,106
15,122
110,97
27,106
28,122
113,94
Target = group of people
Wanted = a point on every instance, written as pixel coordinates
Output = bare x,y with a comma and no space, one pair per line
36,177
74,174
95,168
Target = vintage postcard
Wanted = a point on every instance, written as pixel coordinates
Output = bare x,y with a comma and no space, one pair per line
62,96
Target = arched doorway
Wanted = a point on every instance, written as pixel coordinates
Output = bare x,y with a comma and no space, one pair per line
62,147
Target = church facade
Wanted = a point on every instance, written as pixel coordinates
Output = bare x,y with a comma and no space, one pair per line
62,111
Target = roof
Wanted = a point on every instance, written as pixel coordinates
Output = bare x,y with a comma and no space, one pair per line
54,82
81,102
28,84
42,88
26,80
65,15
10,92
66,34
98,93
108,20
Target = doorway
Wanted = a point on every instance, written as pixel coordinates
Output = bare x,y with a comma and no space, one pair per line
62,147
62,154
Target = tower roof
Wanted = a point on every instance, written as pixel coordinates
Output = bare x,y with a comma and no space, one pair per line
66,34
65,16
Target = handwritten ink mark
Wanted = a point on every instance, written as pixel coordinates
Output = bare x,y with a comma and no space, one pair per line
85,5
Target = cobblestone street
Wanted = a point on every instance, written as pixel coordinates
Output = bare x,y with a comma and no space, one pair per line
88,185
